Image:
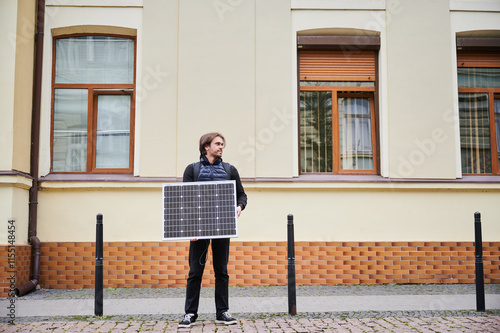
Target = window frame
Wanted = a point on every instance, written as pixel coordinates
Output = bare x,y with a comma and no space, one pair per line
493,93
364,92
93,91
348,44
488,49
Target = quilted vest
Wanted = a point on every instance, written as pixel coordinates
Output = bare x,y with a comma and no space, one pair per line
212,172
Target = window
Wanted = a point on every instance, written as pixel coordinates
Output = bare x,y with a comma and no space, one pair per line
93,104
479,111
337,113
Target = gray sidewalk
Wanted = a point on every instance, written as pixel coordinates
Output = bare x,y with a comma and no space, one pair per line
251,305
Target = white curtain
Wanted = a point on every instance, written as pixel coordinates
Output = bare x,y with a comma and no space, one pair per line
94,59
69,153
113,131
497,126
475,132
356,151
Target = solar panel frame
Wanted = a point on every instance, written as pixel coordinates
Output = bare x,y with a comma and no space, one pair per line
202,210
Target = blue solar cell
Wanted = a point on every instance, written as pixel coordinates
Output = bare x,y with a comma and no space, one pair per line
199,210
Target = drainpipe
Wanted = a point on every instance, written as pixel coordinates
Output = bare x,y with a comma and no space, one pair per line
35,268
35,153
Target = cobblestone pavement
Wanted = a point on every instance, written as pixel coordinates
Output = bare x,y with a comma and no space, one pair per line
485,323
354,321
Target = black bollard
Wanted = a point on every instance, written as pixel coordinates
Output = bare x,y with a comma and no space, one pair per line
292,294
480,305
98,296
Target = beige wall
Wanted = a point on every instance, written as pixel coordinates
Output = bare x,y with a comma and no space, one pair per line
157,93
128,213
16,63
23,96
417,135
356,212
367,18
470,22
202,67
6,212
76,13
233,69
322,212
420,72
14,198
8,24
216,85
275,132
223,68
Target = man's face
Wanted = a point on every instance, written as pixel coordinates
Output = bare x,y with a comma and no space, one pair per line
215,148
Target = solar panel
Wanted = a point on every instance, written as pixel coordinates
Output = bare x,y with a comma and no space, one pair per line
199,210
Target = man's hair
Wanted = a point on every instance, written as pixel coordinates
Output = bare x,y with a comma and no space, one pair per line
206,139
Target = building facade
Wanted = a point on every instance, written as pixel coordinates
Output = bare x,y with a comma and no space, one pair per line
376,123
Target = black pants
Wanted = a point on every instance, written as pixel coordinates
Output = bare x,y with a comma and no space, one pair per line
197,258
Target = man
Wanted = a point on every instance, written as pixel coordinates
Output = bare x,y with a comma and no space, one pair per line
211,168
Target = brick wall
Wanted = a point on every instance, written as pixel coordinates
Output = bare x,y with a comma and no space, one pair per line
21,269
71,265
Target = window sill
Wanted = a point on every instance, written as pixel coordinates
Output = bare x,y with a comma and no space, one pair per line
487,182
375,182
15,178
73,180
317,178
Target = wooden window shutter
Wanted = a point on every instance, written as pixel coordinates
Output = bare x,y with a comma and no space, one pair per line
337,65
478,59
478,52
